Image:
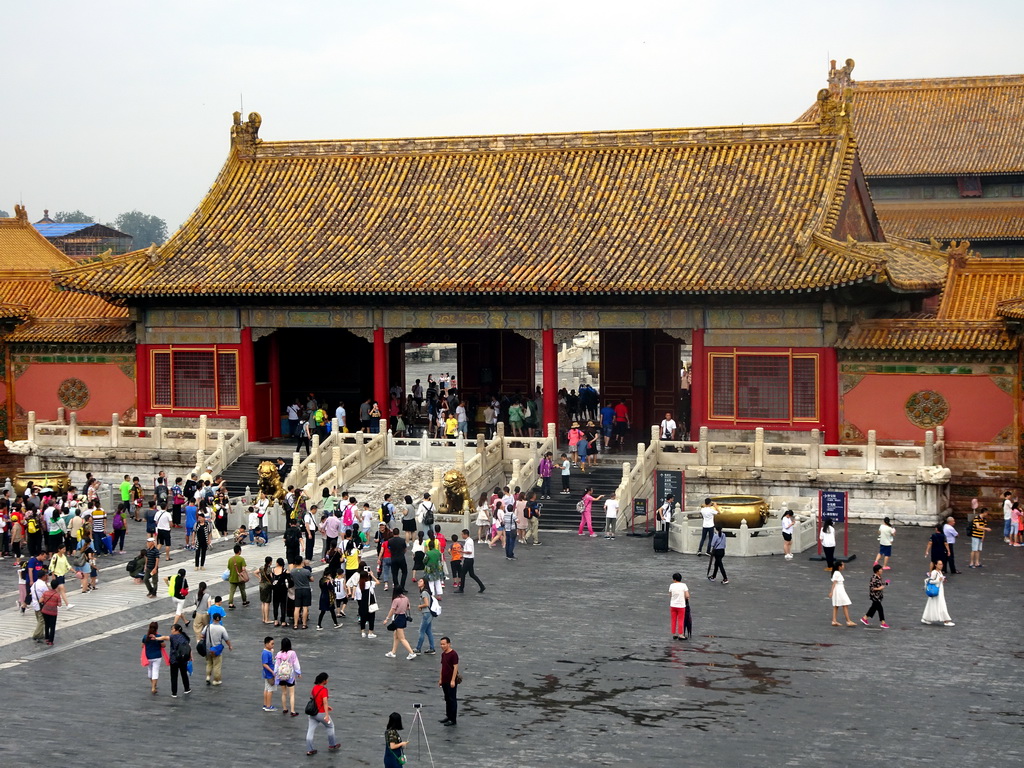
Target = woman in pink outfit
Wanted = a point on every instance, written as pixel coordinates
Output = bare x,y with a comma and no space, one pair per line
588,504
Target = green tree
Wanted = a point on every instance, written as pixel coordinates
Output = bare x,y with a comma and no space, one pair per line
4,214
73,217
143,228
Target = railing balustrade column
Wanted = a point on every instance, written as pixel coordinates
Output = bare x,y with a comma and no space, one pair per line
871,452
201,434
759,447
158,431
73,429
929,448
702,447
115,430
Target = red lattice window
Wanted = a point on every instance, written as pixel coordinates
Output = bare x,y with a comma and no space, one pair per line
723,391
194,381
805,388
764,387
162,379
227,379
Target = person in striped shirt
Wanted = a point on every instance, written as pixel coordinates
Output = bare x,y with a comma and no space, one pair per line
979,527
99,527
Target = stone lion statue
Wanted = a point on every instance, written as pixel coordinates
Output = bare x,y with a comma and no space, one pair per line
456,492
270,481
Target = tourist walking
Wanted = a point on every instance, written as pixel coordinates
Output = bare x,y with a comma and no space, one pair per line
468,562
951,533
267,670
718,555
217,639
585,511
449,681
202,538
280,583
320,696
394,746
876,587
827,537
483,518
301,577
238,576
611,514
979,527
707,525
788,524
397,546
49,604
837,593
152,567
327,600
177,588
266,575
180,658
936,549
565,469
366,600
427,613
935,604
397,620
153,653
544,470
287,671
886,533
679,594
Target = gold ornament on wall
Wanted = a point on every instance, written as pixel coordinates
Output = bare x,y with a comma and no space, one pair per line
73,393
927,409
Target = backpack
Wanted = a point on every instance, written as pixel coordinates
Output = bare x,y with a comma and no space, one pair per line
171,582
33,525
348,518
118,521
284,669
133,566
78,559
385,512
428,514
182,652
161,492
580,506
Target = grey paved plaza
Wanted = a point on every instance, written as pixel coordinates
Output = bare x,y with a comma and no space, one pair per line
567,661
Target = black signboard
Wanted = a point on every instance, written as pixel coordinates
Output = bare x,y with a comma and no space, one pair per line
669,482
833,505
639,508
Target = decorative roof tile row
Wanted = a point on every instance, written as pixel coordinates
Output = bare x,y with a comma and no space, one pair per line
934,335
939,126
699,211
954,219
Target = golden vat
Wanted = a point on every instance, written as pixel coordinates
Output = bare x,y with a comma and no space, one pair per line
58,481
732,510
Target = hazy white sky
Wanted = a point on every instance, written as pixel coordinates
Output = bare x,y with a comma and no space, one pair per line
111,105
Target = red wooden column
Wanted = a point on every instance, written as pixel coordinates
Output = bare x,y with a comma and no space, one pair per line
549,365
830,395
143,384
380,371
699,379
246,379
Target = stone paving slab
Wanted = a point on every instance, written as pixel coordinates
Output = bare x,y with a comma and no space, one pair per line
567,661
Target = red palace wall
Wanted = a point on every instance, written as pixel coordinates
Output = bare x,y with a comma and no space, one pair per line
979,410
107,387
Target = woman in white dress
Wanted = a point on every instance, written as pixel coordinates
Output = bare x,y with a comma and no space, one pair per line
839,597
935,607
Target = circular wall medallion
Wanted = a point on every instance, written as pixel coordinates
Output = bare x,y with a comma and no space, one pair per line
73,393
927,409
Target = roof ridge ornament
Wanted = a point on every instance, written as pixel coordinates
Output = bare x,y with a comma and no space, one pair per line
245,136
20,213
835,103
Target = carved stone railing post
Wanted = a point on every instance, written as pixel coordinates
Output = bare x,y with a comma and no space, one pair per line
460,460
158,431
115,430
73,429
243,425
759,447
814,449
702,447
871,452
929,448
31,426
201,434
60,414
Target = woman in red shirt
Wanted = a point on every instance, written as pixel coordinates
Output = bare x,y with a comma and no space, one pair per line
323,716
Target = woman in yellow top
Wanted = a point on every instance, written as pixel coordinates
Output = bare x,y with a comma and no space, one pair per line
59,567
451,426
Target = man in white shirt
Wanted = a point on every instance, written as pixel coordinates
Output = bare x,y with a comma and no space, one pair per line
663,517
707,513
163,531
340,415
668,427
1007,514
39,587
468,561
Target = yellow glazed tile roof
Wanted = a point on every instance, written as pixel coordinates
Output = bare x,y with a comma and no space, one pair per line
26,262
708,210
935,335
958,126
953,219
976,287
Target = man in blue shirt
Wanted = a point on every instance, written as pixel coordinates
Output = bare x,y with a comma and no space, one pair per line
269,685
216,609
607,423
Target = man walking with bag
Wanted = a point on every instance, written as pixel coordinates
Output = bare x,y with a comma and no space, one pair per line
449,681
